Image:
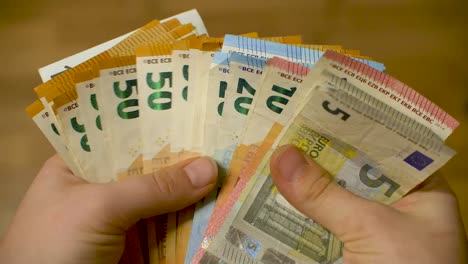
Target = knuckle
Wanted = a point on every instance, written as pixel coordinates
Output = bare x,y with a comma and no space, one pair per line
50,168
318,189
451,197
52,161
449,201
164,181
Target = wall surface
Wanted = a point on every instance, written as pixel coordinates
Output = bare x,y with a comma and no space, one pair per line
421,42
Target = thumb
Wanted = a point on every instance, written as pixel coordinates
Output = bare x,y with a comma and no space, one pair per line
312,191
167,190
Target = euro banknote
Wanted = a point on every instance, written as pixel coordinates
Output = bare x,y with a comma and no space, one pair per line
261,50
364,145
167,91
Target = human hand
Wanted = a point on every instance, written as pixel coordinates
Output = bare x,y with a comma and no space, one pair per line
422,227
63,219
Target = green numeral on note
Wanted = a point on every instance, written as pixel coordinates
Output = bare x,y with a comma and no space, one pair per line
81,129
84,144
127,92
185,73
162,80
160,100
222,94
154,100
122,108
242,104
54,128
279,99
95,105
77,127
243,84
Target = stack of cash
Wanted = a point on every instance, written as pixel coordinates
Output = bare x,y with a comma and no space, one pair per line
167,92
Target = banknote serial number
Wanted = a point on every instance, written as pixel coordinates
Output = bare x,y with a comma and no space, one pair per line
408,104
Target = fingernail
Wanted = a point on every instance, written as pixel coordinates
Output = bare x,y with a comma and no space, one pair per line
201,171
291,162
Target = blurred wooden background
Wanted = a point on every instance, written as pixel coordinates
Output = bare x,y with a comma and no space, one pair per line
422,42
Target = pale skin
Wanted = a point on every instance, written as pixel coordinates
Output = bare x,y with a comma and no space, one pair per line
63,219
423,227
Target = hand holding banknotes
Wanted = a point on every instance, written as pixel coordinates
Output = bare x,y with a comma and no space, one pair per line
63,219
422,227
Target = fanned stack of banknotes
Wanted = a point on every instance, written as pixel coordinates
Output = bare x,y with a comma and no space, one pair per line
167,92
